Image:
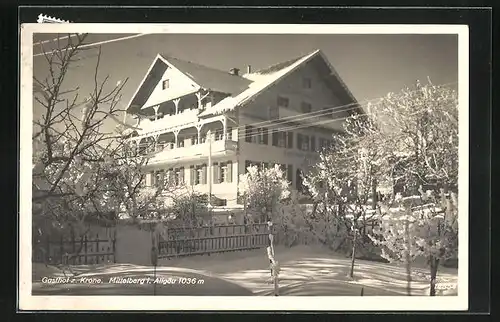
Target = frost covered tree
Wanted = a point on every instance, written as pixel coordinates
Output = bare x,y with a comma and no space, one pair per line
429,230
420,127
85,168
342,184
420,136
263,190
407,140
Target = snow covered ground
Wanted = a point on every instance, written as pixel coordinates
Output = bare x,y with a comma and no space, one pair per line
317,271
304,271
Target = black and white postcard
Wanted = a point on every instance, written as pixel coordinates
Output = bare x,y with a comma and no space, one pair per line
243,167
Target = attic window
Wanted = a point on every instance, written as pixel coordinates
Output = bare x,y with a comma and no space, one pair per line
283,101
165,84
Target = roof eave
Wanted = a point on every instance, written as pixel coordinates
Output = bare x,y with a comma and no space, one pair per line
141,84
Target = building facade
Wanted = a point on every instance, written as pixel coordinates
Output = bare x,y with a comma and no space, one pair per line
204,126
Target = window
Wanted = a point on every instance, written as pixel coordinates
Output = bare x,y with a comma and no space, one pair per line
325,143
156,178
198,174
180,142
223,172
289,173
249,131
289,136
170,176
219,134
302,142
194,140
262,136
283,101
274,113
275,137
313,143
306,107
179,176
229,133
306,83
165,84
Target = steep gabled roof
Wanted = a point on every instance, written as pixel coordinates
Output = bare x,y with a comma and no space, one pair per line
203,76
277,67
242,90
265,78
210,78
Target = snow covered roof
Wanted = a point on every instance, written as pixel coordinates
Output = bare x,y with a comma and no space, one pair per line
265,78
210,78
261,80
242,89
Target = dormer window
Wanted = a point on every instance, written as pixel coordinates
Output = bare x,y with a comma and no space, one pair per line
283,101
165,84
306,83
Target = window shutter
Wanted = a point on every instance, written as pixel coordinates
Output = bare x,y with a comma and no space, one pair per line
216,173
204,174
181,176
266,139
313,143
274,137
299,141
248,133
290,140
229,177
192,174
289,175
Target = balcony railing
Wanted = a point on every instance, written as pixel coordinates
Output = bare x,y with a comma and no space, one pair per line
170,153
169,121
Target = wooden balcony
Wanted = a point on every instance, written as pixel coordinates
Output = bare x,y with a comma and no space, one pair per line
170,154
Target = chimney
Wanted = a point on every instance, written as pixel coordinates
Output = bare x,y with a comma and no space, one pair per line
234,71
249,69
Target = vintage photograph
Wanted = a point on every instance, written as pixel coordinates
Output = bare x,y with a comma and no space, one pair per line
212,162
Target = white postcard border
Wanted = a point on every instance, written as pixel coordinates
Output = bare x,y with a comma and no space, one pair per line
239,303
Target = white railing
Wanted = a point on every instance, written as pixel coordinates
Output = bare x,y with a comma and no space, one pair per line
169,121
170,153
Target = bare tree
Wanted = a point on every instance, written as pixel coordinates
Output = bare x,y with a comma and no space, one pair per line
85,168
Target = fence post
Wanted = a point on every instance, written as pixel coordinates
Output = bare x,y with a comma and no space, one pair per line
47,255
61,247
97,248
114,245
73,245
85,247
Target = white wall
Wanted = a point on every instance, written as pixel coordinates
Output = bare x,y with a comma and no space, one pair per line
178,85
291,87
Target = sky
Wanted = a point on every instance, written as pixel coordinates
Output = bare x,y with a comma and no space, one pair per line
370,65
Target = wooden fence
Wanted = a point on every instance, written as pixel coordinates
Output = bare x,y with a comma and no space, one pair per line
203,240
75,251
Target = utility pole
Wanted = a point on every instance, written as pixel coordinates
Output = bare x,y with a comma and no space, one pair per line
209,168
